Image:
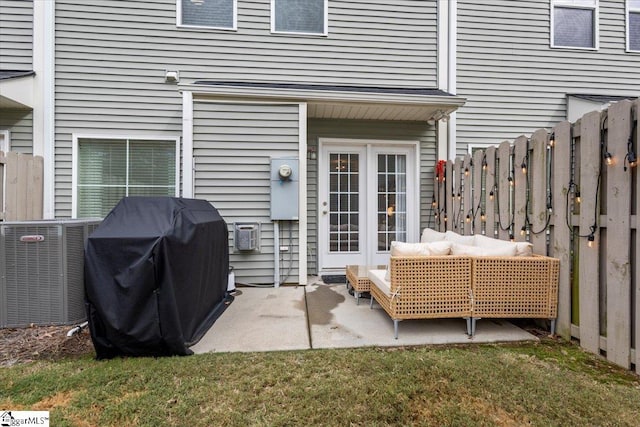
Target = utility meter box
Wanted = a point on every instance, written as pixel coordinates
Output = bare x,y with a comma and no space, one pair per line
285,183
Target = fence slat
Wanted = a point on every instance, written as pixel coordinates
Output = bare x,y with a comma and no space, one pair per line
618,204
456,196
589,269
3,161
450,182
490,180
467,200
477,192
520,187
561,241
503,197
538,196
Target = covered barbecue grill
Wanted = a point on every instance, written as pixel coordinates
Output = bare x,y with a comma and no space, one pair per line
156,275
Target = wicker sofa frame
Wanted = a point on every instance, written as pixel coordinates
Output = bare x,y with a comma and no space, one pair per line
428,287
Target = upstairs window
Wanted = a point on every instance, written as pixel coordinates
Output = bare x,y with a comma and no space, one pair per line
214,14
299,16
633,25
574,24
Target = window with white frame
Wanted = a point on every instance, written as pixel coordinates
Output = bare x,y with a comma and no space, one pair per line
108,169
633,25
299,16
4,140
214,14
574,24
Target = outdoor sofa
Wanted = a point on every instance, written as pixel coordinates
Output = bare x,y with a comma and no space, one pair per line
468,277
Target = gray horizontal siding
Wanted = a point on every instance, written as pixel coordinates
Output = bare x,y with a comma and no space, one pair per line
20,125
515,83
233,146
363,129
111,58
16,34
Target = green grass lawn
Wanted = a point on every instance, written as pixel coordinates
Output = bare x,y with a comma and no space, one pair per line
550,383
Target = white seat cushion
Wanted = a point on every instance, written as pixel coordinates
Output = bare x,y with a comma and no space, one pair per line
377,277
420,249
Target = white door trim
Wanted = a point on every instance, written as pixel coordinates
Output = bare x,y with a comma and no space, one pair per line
413,221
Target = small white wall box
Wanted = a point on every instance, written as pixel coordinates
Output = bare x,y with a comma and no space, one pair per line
246,236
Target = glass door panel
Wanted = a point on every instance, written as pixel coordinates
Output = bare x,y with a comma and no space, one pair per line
392,200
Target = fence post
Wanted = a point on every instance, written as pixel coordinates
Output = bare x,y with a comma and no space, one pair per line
467,207
476,206
561,234
636,141
618,203
589,270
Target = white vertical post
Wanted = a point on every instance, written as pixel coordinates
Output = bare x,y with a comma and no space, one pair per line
302,196
187,144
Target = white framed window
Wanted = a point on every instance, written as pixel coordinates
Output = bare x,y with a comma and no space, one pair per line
108,168
208,14
574,24
4,140
633,25
308,17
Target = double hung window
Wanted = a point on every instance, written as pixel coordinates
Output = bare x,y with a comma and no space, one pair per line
574,24
633,25
108,169
299,16
212,14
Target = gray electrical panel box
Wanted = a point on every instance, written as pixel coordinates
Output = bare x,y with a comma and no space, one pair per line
285,183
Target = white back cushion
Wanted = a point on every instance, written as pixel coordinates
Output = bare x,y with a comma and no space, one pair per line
468,250
522,248
452,236
430,235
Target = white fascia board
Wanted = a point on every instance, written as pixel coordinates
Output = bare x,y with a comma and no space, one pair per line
310,95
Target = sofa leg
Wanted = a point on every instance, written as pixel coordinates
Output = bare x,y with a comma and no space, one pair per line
473,325
468,319
395,328
357,294
553,326
371,302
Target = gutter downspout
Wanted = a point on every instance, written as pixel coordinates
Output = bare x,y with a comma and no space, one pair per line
452,86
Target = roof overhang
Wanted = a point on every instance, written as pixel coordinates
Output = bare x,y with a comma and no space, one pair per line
16,89
339,102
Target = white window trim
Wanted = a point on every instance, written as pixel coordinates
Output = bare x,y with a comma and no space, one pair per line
179,23
627,12
570,4
5,141
326,23
74,160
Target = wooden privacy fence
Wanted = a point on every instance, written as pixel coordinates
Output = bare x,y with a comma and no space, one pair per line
21,178
573,193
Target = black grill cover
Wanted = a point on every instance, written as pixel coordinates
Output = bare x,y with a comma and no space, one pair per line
156,273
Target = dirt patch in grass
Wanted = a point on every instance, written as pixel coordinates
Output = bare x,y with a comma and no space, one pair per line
23,345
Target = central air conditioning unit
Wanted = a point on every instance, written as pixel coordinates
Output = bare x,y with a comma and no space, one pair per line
42,271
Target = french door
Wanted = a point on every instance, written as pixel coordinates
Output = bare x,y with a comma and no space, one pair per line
367,199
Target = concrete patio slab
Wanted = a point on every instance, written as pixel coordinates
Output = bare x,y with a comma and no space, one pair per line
336,321
326,316
260,319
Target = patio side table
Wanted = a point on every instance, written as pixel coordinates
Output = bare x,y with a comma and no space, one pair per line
357,278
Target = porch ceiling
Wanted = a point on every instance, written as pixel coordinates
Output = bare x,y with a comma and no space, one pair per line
341,102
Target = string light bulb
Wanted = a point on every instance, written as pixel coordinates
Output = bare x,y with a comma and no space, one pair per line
578,198
484,164
608,158
510,179
483,217
591,240
524,167
466,171
491,195
523,230
511,238
433,202
552,139
468,218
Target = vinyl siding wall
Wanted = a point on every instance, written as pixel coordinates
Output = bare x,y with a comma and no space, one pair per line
232,147
378,130
16,35
515,83
111,58
20,125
